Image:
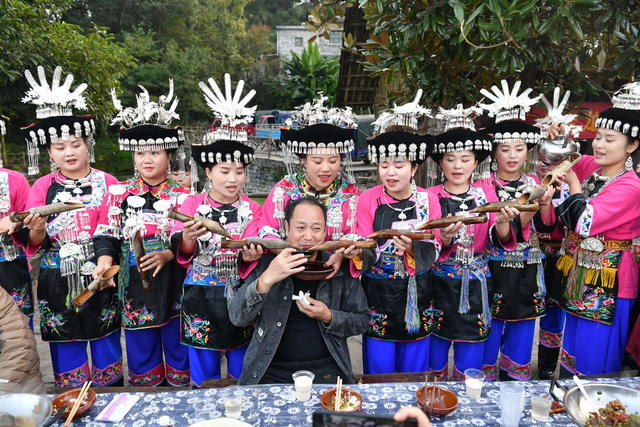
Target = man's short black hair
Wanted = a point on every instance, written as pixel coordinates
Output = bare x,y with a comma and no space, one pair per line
307,200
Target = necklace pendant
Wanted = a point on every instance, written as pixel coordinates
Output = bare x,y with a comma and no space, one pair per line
464,206
223,219
402,216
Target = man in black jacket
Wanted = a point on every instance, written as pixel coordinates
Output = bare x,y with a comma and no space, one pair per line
310,334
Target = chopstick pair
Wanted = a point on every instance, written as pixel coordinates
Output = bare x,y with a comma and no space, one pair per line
77,403
338,397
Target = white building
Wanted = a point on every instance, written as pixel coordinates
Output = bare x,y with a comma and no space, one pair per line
292,38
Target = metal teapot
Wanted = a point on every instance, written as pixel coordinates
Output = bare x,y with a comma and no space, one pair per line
554,151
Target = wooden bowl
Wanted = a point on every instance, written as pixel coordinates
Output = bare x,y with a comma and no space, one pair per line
328,399
68,398
314,270
444,401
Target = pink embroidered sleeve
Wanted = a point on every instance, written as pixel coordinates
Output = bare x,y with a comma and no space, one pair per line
19,193
608,212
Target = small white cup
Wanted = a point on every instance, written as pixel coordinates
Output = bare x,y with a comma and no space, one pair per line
303,383
474,381
540,407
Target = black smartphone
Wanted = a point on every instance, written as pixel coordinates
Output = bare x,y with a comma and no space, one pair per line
358,419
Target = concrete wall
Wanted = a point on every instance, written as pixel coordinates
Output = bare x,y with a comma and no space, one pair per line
295,39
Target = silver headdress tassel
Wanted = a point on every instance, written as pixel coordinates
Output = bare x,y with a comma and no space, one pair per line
54,103
458,117
55,99
147,126
226,143
316,113
508,105
230,109
555,113
403,116
551,152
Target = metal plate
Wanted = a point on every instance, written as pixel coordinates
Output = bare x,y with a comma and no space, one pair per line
26,405
601,394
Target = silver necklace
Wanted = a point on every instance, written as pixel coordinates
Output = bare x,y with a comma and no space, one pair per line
463,206
402,215
223,217
505,190
590,184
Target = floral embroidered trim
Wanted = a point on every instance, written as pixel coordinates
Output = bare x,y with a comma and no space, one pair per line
583,227
568,361
73,378
490,372
176,377
23,300
108,315
139,317
441,374
169,189
149,379
596,304
50,321
107,376
377,324
457,375
426,320
195,329
550,339
515,370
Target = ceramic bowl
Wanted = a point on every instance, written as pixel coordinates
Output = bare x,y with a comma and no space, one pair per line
68,398
328,398
314,270
436,402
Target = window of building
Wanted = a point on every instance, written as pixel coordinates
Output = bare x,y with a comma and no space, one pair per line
335,37
298,41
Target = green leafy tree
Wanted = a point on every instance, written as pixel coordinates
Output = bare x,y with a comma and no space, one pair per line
310,73
453,48
32,34
187,40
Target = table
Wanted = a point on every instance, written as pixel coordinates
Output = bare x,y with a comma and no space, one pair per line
267,405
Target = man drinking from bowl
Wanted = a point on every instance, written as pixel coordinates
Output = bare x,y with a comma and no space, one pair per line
299,324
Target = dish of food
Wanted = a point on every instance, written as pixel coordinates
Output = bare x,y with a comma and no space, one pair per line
69,398
613,414
350,400
556,408
436,401
23,409
601,395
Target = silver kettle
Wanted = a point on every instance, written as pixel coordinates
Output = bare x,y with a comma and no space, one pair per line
554,151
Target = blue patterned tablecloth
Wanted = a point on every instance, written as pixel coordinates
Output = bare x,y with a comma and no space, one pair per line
267,405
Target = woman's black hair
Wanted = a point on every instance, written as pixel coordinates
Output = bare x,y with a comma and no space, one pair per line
307,200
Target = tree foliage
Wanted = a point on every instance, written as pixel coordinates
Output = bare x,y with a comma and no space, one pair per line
310,73
187,40
32,33
453,48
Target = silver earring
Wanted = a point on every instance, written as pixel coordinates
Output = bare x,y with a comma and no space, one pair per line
53,165
494,166
413,186
628,165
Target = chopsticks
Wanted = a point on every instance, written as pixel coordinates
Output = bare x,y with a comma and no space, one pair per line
76,404
338,398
